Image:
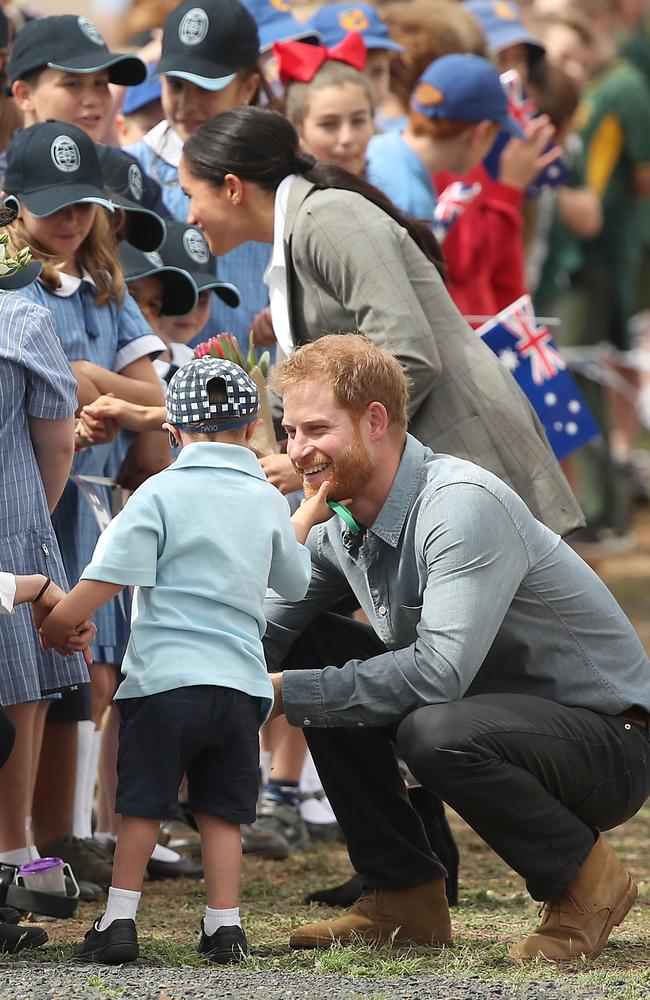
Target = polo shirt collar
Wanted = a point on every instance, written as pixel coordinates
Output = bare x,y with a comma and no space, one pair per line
209,454
406,486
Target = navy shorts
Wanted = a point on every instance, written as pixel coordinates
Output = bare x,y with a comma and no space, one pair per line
209,733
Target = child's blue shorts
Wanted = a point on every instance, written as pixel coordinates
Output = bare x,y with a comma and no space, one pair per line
209,733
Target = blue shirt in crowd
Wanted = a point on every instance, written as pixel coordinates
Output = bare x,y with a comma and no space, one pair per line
398,171
201,541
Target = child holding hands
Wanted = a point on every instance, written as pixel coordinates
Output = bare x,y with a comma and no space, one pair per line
194,668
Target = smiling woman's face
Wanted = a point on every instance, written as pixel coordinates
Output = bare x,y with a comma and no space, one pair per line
212,210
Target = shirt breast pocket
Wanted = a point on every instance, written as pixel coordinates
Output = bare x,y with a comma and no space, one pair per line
408,618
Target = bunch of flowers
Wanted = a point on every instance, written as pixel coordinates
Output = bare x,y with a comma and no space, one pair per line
225,345
11,263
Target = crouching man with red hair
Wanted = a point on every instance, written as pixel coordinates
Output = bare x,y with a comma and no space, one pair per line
496,664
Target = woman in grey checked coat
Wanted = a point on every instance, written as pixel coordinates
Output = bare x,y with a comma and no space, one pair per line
37,404
345,259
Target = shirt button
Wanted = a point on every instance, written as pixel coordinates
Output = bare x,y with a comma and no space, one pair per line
359,723
382,610
627,725
306,722
45,549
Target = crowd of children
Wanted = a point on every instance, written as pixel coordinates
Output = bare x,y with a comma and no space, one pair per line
541,111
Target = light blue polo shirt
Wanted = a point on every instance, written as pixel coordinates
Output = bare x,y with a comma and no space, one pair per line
398,171
202,541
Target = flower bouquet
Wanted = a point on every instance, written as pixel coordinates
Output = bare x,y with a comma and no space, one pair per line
11,264
225,345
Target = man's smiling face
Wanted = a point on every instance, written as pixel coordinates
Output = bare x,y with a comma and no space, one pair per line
325,441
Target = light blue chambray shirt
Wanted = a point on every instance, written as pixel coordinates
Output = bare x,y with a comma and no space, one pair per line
470,594
201,541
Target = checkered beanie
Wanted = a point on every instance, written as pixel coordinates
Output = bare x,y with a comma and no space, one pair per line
188,402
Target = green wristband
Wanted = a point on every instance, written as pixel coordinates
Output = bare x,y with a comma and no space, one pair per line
345,515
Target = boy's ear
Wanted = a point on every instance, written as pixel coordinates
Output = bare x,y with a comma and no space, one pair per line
250,430
22,94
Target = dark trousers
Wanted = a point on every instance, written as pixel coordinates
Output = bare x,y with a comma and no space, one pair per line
7,736
533,778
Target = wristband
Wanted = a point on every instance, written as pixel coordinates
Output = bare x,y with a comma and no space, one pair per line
345,515
42,590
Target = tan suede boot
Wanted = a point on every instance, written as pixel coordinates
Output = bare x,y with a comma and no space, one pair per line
418,916
579,922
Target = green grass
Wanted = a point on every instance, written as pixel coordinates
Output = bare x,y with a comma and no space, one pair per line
494,912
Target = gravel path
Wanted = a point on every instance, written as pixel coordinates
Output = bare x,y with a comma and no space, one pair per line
23,980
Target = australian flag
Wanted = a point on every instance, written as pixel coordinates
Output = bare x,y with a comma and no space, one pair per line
528,351
451,204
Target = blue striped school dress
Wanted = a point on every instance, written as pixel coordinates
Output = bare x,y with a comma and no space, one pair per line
159,154
35,381
112,336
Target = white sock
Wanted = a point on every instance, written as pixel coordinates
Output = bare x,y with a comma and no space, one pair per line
122,905
214,919
19,856
161,853
87,757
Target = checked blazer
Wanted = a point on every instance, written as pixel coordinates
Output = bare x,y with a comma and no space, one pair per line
350,267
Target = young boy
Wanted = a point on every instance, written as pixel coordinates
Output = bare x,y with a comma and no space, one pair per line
141,109
457,108
60,68
196,688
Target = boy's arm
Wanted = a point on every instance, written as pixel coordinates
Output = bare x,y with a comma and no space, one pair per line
74,610
311,512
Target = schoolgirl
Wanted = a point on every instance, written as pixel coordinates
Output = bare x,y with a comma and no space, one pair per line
329,99
53,174
209,64
37,403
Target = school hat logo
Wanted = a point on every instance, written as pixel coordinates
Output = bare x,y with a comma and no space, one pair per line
428,95
154,258
65,154
90,31
135,182
504,11
194,26
195,246
353,19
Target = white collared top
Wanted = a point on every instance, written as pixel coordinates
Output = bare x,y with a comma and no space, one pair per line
275,275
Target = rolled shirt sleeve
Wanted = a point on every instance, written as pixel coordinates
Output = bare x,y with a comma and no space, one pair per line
475,560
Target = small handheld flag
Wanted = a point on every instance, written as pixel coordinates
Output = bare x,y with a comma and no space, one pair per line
533,359
451,204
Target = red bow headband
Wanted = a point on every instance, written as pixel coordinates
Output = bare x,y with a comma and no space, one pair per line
300,61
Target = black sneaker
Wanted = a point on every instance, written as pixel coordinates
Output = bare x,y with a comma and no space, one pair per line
226,946
114,946
16,937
